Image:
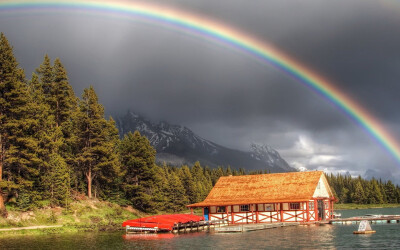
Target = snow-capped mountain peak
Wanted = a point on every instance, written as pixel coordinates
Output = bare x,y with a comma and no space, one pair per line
178,145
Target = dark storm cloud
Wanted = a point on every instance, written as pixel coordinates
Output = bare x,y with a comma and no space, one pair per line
224,95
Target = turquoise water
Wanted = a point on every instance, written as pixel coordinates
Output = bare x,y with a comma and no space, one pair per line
298,237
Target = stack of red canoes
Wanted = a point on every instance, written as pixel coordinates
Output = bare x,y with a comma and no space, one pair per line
162,222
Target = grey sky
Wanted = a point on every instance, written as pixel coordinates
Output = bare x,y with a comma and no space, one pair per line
226,96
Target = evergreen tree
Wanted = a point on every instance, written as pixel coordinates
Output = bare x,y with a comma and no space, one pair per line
189,184
376,193
59,181
343,197
138,165
383,190
45,72
110,170
63,97
18,160
176,193
95,158
359,195
228,171
200,182
390,190
216,173
60,98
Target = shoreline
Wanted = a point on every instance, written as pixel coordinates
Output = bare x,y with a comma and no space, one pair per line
352,206
27,228
97,216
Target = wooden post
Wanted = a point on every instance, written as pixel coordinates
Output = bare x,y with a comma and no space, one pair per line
252,213
227,214
308,211
316,210
280,208
257,220
233,215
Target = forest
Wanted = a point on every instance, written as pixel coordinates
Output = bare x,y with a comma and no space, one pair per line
56,147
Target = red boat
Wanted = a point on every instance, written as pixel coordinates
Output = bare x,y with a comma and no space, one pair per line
159,223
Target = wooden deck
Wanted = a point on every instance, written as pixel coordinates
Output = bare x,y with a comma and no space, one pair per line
253,227
372,219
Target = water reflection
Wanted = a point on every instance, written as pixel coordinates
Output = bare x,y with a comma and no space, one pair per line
148,236
296,237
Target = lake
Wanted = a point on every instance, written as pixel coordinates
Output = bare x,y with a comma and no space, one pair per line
298,237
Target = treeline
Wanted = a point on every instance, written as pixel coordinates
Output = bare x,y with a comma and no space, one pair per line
358,190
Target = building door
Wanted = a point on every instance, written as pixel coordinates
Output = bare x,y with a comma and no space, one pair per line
321,210
206,214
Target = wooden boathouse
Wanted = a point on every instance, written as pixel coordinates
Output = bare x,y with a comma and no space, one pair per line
268,198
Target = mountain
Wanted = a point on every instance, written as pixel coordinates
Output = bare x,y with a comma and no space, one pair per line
177,145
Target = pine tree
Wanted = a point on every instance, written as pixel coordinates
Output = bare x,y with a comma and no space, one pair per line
390,190
343,197
60,98
359,195
62,93
138,165
176,193
45,72
18,159
44,132
199,181
376,192
228,171
110,175
189,184
93,140
60,181
216,173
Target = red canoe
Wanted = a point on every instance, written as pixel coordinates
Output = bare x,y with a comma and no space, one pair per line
162,222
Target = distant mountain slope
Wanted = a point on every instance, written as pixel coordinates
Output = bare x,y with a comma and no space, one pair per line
178,145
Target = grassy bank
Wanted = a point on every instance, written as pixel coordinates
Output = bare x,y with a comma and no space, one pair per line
363,206
86,215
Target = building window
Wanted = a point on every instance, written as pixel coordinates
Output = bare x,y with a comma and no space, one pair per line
213,209
311,205
294,206
269,207
221,210
244,208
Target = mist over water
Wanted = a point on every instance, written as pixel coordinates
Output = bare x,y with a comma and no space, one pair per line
297,237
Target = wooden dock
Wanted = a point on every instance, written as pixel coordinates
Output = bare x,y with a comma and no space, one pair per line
199,226
253,227
372,219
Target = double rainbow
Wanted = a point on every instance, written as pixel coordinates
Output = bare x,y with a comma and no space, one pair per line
213,30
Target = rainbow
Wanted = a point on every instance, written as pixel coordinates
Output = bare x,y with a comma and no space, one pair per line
215,31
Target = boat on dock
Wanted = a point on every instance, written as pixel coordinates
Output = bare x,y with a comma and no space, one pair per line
337,215
163,223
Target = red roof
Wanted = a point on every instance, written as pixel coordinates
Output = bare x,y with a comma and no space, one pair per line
264,188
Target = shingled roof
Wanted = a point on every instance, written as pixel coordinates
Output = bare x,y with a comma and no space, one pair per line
263,188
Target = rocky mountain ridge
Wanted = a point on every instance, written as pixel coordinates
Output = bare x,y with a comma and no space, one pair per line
177,145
